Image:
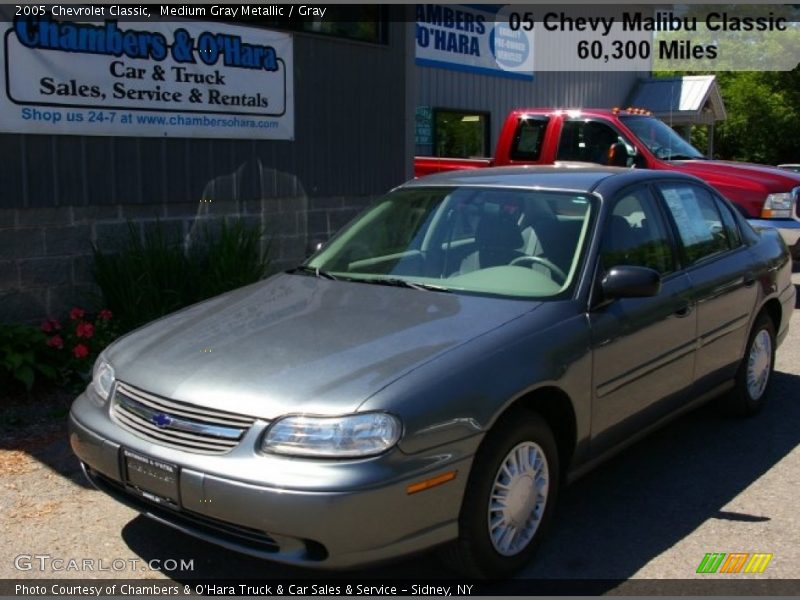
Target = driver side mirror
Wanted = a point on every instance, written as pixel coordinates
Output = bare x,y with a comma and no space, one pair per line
628,281
618,155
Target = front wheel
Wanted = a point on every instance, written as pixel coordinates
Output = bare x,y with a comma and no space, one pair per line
509,499
755,371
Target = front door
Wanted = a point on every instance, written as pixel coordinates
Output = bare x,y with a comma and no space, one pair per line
643,347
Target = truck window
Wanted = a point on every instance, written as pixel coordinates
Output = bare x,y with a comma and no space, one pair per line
660,138
527,144
587,141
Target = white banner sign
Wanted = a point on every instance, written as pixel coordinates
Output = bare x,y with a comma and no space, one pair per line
474,39
177,79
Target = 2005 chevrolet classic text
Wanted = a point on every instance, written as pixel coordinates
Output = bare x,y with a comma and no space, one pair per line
441,367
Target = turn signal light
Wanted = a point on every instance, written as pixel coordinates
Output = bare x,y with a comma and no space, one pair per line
432,482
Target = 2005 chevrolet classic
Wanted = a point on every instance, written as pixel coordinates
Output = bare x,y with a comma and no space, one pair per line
440,368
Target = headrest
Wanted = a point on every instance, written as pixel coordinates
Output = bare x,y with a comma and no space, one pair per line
498,231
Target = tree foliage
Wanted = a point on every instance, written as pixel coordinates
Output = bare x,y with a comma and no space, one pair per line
763,117
763,123
763,106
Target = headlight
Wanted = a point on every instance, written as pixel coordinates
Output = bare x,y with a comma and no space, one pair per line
102,378
778,206
331,437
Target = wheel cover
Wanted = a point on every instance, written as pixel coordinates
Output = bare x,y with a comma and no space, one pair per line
759,363
518,498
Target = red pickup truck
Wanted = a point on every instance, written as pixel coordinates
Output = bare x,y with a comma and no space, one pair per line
767,196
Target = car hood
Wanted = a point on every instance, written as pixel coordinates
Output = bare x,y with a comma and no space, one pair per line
771,179
295,343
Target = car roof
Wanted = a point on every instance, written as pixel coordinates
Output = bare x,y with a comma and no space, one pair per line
580,177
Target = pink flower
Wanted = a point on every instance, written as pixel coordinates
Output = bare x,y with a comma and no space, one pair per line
104,315
76,313
46,326
84,330
80,351
56,342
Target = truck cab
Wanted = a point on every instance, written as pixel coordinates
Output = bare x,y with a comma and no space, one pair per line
766,196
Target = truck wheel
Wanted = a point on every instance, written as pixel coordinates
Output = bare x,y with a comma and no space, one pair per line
509,500
754,376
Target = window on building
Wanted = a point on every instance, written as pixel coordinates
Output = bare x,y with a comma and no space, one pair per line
460,134
363,23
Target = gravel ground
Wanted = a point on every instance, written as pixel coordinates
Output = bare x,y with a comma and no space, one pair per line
704,483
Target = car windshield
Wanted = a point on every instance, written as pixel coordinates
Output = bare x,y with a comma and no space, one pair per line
499,241
660,138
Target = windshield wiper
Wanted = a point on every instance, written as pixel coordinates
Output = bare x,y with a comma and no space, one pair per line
315,271
397,282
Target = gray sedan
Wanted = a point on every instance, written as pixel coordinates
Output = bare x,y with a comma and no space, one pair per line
436,372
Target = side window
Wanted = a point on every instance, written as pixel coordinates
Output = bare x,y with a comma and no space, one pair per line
729,223
587,141
635,234
698,219
527,144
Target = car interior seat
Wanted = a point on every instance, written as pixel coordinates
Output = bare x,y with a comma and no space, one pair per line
546,236
497,242
619,243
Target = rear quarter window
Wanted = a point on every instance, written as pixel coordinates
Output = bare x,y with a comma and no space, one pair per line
527,143
696,215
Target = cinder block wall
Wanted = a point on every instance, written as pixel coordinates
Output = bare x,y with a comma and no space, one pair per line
61,193
46,263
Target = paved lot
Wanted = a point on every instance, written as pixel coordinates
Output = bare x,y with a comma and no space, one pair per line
703,484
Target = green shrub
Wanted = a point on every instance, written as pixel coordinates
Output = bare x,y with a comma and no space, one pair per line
228,260
153,277
144,281
23,357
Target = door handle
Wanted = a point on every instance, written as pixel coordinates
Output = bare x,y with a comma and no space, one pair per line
684,311
749,280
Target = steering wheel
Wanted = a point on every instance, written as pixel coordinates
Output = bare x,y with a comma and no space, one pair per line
662,152
548,264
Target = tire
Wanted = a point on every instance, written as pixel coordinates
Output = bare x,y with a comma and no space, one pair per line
476,553
754,377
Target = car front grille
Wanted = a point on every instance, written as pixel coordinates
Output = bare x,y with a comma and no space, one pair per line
177,424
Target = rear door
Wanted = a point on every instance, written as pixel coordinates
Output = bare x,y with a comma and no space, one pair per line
719,267
643,348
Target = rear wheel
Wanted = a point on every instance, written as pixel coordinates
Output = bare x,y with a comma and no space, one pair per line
755,372
509,499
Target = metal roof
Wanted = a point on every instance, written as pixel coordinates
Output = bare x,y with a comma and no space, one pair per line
688,100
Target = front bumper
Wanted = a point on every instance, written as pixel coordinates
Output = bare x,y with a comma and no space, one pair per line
321,513
788,228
